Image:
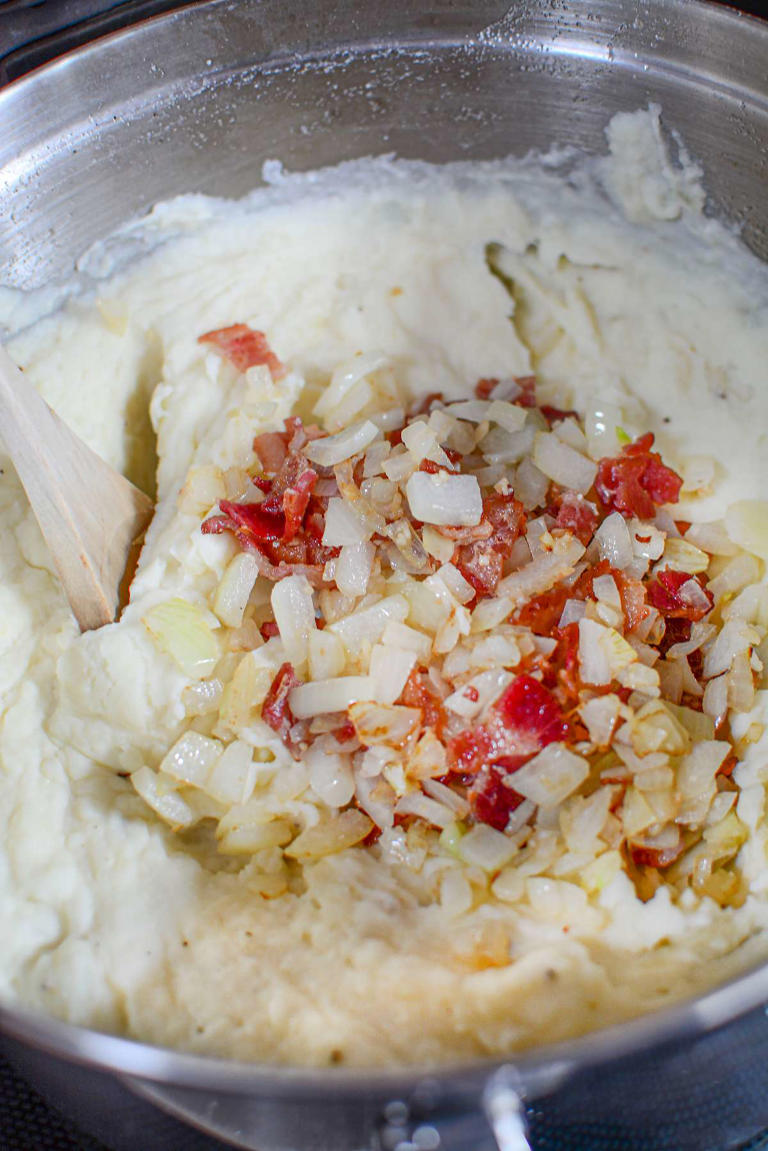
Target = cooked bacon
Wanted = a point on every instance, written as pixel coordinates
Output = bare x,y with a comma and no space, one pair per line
420,691
635,482
527,385
524,719
482,562
658,857
246,522
244,348
633,599
484,387
276,710
271,448
554,415
423,406
664,594
574,514
492,798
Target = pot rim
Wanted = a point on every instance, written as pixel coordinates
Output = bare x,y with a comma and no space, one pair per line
537,1066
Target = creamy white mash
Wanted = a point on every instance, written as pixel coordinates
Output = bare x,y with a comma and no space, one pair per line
623,291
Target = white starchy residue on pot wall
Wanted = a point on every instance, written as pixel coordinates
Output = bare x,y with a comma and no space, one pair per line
105,918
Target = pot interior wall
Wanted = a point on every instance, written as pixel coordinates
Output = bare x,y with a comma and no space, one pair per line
199,99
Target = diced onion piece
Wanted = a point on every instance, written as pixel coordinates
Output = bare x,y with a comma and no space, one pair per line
736,573
398,634
682,555
447,796
203,487
353,568
330,776
471,699
601,715
329,695
367,624
656,729
327,655
240,833
246,691
602,420
508,416
428,759
699,725
531,485
614,541
551,776
181,629
544,571
294,612
695,779
445,499
583,819
418,804
377,799
486,848
455,894
235,588
747,524
331,835
436,544
489,613
165,802
647,541
191,758
330,450
573,611
232,778
379,724
603,653
459,588
421,441
345,377
734,637
389,669
562,463
636,812
343,524
202,697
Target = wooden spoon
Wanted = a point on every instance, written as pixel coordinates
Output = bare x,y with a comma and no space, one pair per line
92,518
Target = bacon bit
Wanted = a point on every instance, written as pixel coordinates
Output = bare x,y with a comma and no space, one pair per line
430,467
637,480
346,732
575,514
276,711
633,599
271,448
664,594
493,799
296,501
424,406
471,693
520,723
484,387
244,348
542,613
249,521
269,629
527,385
726,767
482,563
554,415
420,691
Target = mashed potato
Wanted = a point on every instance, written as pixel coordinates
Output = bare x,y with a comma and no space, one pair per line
613,288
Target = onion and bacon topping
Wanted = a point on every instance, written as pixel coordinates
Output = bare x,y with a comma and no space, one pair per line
452,633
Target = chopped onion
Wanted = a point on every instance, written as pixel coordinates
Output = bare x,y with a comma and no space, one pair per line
445,499
328,695
182,630
734,637
408,638
326,653
503,447
353,568
343,524
489,613
736,573
165,802
712,538
682,555
379,724
202,697
246,690
531,485
232,778
332,450
415,803
601,715
614,541
367,624
246,829
428,759
551,776
647,541
389,669
421,441
377,799
446,796
235,588
455,894
695,779
294,611
191,758
460,589
330,775
573,611
344,379
603,653
331,835
601,421
486,848
203,487
508,416
562,463
544,571
475,695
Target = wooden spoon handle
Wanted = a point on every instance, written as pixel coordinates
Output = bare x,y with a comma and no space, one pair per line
90,515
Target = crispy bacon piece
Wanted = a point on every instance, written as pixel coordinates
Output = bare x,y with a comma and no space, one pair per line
574,514
484,387
637,480
527,385
633,599
271,448
658,857
423,406
244,348
554,415
524,719
664,593
276,711
420,691
493,799
482,562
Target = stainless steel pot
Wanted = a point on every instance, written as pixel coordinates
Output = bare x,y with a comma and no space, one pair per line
197,99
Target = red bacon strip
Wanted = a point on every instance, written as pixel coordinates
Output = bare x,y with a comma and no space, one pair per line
637,480
244,348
